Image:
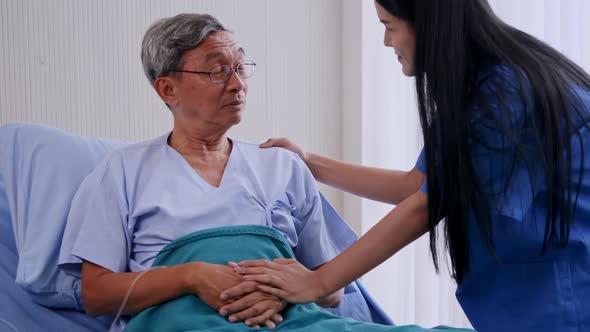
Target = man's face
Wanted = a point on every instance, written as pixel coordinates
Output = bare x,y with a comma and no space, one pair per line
197,97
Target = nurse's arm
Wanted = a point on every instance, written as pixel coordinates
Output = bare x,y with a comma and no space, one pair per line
400,227
331,300
292,282
383,185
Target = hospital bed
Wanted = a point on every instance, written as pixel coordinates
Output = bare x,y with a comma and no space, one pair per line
18,311
40,170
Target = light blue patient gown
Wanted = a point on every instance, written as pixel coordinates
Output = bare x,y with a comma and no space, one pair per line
144,196
521,290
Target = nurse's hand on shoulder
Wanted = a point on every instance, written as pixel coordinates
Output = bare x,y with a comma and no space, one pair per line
285,143
284,278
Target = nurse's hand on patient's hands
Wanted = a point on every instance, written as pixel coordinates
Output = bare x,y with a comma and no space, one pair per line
285,143
207,281
285,278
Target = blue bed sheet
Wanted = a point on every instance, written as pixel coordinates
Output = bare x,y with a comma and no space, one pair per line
18,309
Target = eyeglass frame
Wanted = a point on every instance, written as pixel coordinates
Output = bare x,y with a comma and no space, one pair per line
234,69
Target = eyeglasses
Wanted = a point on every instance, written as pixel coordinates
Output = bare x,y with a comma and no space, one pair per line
222,73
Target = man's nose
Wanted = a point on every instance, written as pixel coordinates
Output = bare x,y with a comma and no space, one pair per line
235,82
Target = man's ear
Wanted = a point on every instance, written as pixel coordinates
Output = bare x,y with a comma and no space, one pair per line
166,90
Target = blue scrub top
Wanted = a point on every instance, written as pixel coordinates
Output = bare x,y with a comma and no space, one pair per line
521,290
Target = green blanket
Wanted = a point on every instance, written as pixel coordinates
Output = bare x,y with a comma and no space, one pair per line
237,243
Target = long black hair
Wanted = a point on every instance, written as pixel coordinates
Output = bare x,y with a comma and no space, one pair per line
455,40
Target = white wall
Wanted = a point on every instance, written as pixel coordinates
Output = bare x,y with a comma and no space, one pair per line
75,64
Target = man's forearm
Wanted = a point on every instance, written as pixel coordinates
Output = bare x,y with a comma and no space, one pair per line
103,291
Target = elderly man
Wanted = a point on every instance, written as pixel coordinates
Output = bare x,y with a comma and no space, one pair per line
193,178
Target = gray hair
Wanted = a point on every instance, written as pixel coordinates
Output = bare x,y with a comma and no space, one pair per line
166,40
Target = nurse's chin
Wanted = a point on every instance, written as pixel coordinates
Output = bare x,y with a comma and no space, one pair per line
409,72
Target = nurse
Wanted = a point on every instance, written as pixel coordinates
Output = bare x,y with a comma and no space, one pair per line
505,167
